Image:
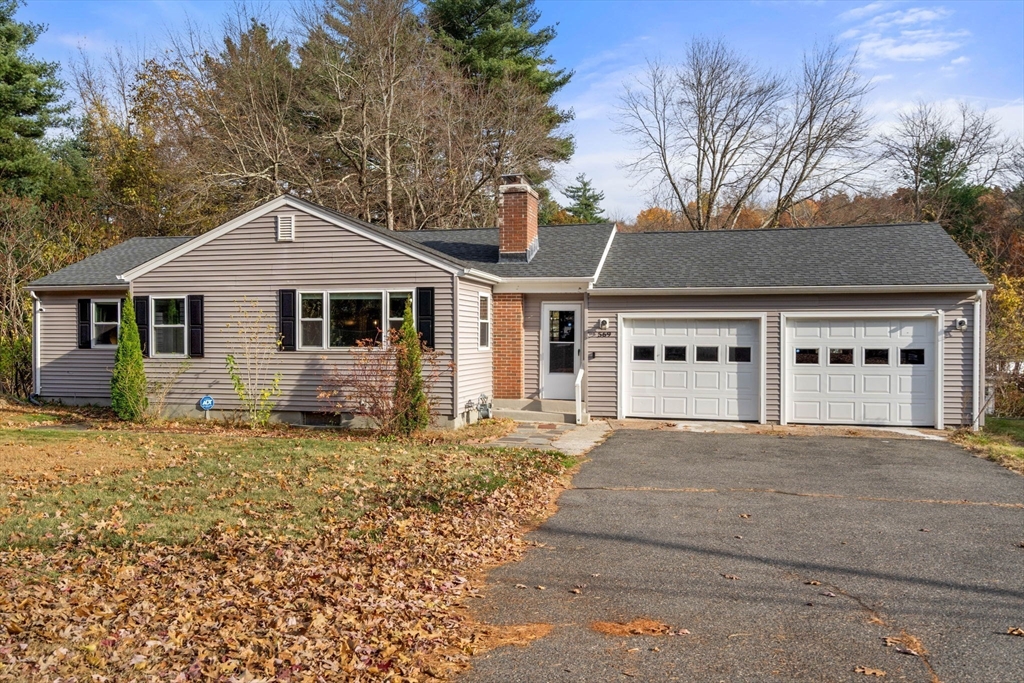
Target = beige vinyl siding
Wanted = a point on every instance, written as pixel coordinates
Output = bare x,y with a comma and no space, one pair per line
475,370
65,371
249,262
602,368
532,324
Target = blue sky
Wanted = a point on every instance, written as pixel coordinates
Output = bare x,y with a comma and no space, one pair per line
938,51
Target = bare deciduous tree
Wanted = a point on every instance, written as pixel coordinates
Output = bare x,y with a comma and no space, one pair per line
931,152
717,133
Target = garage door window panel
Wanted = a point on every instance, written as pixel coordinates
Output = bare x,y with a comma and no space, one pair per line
706,354
911,356
876,356
739,354
840,356
675,354
808,356
643,353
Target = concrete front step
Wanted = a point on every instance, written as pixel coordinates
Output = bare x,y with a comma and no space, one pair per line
535,416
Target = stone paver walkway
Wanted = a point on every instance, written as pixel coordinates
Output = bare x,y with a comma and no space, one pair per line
534,434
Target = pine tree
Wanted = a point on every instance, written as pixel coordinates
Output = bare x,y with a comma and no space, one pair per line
414,409
585,200
30,94
128,383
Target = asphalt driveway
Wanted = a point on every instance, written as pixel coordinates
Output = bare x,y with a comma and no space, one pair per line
786,558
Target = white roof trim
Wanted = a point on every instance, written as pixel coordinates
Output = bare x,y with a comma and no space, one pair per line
844,289
274,205
76,288
544,285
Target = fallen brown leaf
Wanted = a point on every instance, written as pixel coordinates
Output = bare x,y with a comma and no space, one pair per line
1015,631
636,627
869,672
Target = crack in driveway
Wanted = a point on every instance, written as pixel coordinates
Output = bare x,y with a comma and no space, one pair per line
800,494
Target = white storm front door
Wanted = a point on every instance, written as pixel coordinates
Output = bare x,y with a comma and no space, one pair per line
560,349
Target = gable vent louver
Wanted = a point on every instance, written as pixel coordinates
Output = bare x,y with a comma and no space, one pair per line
286,228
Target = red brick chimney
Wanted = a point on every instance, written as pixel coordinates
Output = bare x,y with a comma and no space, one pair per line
517,220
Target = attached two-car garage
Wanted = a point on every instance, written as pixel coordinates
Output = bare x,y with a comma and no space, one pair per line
832,370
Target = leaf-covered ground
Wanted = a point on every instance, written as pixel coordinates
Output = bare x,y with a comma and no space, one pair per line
1002,441
232,558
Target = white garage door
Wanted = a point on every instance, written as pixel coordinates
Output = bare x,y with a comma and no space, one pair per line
878,372
701,369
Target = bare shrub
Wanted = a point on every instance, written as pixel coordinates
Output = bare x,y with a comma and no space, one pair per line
250,374
367,387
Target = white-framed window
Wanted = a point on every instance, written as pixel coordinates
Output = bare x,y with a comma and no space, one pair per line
354,317
396,308
311,320
484,320
169,326
339,320
106,322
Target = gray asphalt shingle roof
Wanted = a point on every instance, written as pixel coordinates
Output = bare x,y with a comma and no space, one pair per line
906,254
565,250
105,267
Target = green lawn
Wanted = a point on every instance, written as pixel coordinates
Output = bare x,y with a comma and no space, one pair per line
1002,440
171,488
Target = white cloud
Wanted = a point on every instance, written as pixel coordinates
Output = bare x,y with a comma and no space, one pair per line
910,46
960,60
861,12
914,15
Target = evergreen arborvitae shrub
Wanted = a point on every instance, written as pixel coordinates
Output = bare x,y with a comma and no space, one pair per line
410,399
128,383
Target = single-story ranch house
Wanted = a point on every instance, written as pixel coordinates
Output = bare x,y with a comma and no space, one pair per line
872,325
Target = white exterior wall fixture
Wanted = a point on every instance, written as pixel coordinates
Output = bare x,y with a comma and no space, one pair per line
940,324
761,316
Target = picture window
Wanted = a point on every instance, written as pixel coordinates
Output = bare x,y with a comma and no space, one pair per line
354,318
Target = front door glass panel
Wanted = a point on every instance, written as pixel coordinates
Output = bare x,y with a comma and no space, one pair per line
561,341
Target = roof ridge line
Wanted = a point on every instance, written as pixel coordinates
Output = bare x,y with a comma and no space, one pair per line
791,229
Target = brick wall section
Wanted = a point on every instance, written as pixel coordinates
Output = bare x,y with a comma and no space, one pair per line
507,346
517,218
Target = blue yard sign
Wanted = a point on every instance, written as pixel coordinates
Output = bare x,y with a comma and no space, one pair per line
206,403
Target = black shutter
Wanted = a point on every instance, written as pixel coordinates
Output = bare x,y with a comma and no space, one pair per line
195,325
84,324
141,304
286,318
425,315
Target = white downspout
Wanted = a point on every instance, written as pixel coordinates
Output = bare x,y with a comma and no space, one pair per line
976,355
37,308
